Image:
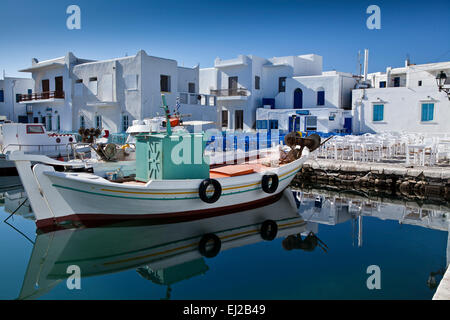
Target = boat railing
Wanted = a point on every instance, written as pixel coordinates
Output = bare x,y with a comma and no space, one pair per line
40,148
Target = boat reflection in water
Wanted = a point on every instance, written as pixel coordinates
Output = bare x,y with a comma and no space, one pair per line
163,254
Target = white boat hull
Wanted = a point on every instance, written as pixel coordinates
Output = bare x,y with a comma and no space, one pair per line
58,197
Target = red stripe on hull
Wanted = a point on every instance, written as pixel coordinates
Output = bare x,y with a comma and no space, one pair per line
98,220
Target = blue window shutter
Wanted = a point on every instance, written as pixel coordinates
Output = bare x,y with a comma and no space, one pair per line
321,98
427,112
378,112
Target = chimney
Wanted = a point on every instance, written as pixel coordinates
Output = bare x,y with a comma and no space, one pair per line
366,63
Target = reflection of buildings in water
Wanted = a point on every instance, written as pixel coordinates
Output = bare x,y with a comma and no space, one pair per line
336,208
163,254
16,201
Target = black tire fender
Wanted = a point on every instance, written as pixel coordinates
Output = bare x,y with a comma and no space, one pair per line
204,187
265,183
203,245
269,230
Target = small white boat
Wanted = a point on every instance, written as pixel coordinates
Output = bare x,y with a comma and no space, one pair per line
173,181
32,139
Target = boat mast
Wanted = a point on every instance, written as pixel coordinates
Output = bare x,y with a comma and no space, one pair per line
167,112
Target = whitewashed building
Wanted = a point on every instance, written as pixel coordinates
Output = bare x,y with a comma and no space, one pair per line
278,93
403,99
10,91
71,93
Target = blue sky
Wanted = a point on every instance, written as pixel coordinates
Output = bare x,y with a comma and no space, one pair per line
199,31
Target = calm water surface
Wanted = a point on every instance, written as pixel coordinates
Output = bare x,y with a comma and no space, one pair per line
408,243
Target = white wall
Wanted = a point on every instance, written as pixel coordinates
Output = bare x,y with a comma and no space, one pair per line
12,86
402,110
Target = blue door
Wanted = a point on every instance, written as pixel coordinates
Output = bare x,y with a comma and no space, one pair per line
348,125
298,98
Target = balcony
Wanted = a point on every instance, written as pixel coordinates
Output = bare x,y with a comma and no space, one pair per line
231,94
48,96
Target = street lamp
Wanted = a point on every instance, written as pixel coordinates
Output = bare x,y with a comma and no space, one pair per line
441,78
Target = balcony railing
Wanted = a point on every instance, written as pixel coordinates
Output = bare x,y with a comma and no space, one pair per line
230,92
42,96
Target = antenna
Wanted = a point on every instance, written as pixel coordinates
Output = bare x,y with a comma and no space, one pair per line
359,65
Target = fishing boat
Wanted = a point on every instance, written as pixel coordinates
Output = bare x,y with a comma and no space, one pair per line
173,181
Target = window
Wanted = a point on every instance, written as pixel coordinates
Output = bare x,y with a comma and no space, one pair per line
30,91
382,84
93,85
98,122
191,87
79,81
257,84
2,96
35,129
320,98
397,82
282,84
261,124
273,124
311,123
165,83
58,122
239,120
82,122
17,97
378,112
125,123
419,83
224,118
427,112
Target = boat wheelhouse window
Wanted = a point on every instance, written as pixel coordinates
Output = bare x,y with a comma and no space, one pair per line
224,118
257,82
191,87
382,84
165,83
2,96
282,84
35,129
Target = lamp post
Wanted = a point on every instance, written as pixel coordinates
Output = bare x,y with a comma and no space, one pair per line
441,78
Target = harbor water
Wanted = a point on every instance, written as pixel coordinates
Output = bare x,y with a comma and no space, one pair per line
407,242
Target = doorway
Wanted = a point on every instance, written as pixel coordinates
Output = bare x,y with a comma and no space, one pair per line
232,86
59,87
298,98
45,88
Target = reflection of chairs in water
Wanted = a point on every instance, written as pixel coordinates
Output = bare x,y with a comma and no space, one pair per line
309,243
